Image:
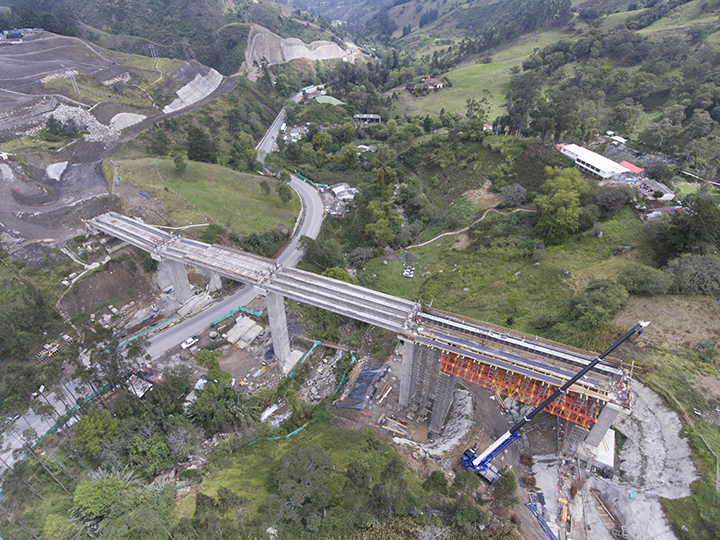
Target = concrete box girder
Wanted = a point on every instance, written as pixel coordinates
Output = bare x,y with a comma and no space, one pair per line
423,389
324,302
356,290
336,297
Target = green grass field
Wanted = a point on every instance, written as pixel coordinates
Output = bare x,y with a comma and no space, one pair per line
682,17
94,91
478,79
34,146
478,284
234,200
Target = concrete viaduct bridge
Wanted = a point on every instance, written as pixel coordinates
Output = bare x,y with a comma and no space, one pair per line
438,346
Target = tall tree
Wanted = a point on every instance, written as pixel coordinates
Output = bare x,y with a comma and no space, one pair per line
504,492
265,188
179,164
200,146
93,428
284,192
302,481
559,204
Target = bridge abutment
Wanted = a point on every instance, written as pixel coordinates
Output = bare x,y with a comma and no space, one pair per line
279,330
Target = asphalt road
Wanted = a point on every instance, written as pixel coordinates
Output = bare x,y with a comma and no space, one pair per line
173,336
312,215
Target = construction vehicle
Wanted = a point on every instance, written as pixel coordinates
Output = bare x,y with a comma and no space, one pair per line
482,464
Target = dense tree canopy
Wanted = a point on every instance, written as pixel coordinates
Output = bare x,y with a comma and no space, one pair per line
93,428
200,146
694,230
559,204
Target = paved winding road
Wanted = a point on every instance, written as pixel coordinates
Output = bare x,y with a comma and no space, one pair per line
311,216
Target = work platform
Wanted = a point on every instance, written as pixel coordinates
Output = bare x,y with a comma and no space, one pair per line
523,367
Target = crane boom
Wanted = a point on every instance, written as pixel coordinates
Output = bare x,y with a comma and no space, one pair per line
481,464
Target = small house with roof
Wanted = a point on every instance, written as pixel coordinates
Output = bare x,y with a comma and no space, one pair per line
433,83
367,119
632,168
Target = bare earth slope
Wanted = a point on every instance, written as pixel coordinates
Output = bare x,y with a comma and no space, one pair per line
35,83
655,463
263,44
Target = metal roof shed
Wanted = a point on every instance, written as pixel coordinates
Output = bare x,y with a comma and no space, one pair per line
632,168
591,163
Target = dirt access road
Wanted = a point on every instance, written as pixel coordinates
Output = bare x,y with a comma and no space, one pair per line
33,206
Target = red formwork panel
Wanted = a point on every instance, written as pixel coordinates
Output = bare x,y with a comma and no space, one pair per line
580,409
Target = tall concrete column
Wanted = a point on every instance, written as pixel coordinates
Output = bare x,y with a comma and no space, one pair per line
178,277
443,400
606,418
279,330
406,373
424,370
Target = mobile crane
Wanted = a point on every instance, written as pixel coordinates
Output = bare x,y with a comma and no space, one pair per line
482,464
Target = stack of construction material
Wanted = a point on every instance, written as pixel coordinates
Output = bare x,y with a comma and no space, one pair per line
244,332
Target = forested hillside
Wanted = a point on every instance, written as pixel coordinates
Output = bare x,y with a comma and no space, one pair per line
212,31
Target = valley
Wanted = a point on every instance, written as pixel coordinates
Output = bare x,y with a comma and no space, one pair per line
413,149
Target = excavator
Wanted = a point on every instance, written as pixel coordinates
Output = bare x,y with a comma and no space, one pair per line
482,463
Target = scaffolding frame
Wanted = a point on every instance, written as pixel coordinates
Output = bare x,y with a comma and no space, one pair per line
580,409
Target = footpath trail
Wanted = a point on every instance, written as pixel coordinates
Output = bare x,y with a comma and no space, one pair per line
485,213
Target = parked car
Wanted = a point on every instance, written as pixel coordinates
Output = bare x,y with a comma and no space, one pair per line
189,342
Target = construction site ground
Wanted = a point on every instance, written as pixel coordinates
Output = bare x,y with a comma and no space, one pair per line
653,463
37,212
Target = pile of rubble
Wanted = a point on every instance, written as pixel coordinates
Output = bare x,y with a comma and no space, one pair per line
59,75
123,77
84,121
323,382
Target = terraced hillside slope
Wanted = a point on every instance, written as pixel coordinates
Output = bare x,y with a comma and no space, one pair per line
214,32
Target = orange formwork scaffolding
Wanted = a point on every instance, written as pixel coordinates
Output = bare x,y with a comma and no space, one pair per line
577,408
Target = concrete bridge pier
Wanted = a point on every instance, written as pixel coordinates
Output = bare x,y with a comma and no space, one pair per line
178,277
406,373
606,418
443,400
424,389
214,281
279,330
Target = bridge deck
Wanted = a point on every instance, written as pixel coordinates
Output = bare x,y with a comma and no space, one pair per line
472,350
